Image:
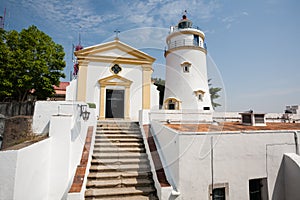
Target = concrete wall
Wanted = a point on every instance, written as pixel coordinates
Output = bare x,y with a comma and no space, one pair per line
45,109
45,169
71,91
237,158
8,167
270,117
291,176
31,178
186,116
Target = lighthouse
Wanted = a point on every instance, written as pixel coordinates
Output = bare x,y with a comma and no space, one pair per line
186,84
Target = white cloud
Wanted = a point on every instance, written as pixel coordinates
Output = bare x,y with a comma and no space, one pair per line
234,19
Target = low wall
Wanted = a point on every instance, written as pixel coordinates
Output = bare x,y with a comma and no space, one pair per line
237,157
181,115
44,170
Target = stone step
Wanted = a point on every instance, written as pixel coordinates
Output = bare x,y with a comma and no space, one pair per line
118,135
125,155
118,175
124,167
118,144
135,197
118,192
117,149
127,182
118,132
117,127
118,140
119,161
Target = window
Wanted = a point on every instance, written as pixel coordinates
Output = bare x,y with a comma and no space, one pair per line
116,69
219,191
186,67
206,108
199,94
196,40
218,194
200,97
172,104
258,189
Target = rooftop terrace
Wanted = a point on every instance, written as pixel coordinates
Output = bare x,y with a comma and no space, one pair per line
233,126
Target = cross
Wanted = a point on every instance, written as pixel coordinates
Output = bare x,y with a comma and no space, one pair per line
117,33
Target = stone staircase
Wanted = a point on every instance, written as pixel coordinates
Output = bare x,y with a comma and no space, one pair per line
120,167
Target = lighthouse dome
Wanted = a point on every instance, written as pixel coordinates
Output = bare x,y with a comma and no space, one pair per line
185,23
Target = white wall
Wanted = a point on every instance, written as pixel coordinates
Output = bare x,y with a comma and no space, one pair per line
154,98
44,170
31,175
8,167
183,85
71,91
291,176
43,111
237,157
100,70
186,116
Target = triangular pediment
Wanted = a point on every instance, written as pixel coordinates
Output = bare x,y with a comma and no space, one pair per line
115,80
114,50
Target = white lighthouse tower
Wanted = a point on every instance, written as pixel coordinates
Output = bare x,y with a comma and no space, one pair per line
186,86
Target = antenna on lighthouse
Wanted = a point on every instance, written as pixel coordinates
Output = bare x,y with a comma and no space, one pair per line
2,19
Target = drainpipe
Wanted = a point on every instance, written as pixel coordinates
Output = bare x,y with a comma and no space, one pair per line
212,166
296,142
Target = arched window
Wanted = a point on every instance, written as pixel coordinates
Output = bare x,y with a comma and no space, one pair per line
172,104
199,94
186,67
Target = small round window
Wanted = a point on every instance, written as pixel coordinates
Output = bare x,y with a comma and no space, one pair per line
116,69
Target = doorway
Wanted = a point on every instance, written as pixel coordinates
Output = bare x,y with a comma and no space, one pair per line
114,103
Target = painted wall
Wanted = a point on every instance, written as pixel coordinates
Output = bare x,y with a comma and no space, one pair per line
31,178
8,167
154,98
183,85
98,70
237,158
44,170
187,116
71,91
292,176
270,117
45,109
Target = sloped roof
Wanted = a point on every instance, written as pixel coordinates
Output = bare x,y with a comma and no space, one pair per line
61,89
128,54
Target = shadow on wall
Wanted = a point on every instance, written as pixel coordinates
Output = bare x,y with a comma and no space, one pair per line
279,189
288,178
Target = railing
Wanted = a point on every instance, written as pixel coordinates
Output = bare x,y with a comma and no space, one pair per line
175,28
186,42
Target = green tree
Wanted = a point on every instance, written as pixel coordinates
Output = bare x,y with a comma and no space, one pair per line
30,63
214,94
160,83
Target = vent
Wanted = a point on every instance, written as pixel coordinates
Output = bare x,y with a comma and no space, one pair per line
253,119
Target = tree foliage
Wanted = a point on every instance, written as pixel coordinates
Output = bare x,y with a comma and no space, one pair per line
214,94
30,63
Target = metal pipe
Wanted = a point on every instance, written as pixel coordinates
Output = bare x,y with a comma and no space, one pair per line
296,142
212,166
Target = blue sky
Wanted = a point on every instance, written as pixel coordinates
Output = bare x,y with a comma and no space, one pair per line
253,46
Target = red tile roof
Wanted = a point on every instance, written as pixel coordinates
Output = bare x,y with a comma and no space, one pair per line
61,89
